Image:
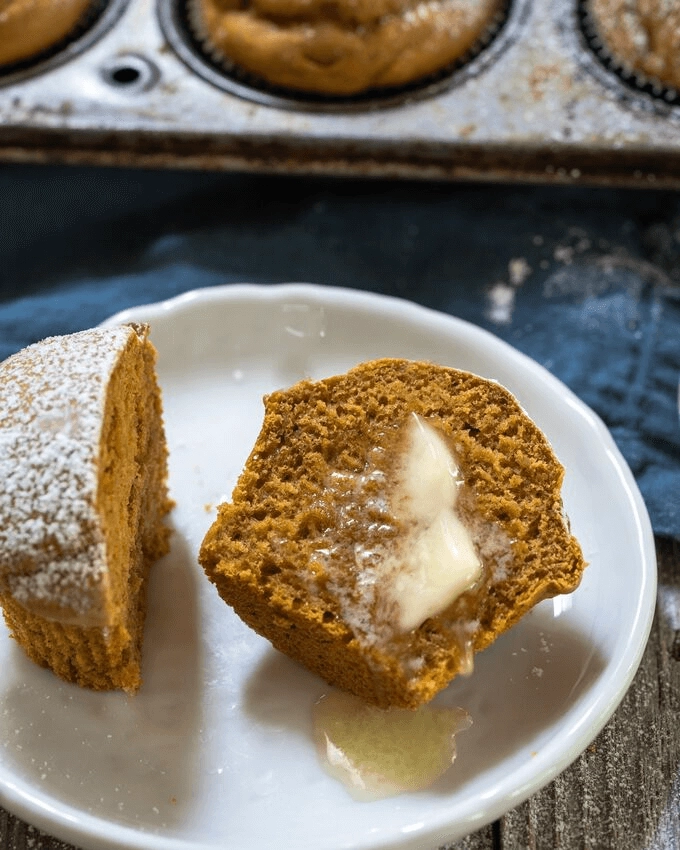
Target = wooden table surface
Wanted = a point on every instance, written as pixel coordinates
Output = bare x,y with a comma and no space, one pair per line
622,793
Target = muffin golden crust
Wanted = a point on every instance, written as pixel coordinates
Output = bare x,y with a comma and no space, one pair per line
311,551
83,461
642,35
27,27
341,47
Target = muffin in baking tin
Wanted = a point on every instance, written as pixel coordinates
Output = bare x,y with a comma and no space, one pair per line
341,47
32,30
639,40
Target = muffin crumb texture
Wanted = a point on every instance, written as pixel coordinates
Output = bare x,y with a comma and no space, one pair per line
321,548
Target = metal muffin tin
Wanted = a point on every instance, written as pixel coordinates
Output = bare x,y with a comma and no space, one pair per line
535,104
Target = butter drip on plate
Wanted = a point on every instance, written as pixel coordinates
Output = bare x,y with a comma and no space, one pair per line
378,753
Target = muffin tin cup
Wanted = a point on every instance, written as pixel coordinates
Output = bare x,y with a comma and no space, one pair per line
636,81
175,19
99,18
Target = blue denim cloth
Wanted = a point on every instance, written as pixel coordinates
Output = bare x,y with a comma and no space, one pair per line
596,302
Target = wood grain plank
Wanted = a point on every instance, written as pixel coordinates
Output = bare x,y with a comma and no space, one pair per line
624,791
17,835
484,839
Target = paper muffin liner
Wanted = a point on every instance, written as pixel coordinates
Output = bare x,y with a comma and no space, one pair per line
90,17
189,20
631,77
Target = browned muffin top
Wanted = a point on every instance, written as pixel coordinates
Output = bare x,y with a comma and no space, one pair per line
342,47
643,35
28,27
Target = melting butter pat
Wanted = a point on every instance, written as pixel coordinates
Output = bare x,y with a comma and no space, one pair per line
437,560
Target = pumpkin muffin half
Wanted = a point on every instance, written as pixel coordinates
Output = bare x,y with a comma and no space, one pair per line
83,462
390,523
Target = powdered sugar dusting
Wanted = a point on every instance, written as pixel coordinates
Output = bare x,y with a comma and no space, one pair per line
52,395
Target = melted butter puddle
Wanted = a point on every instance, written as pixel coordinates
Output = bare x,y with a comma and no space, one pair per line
377,753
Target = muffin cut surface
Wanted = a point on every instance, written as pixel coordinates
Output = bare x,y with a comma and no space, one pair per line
310,551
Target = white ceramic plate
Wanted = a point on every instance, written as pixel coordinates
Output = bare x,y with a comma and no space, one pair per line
216,750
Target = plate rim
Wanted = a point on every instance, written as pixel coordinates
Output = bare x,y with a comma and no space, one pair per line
86,830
